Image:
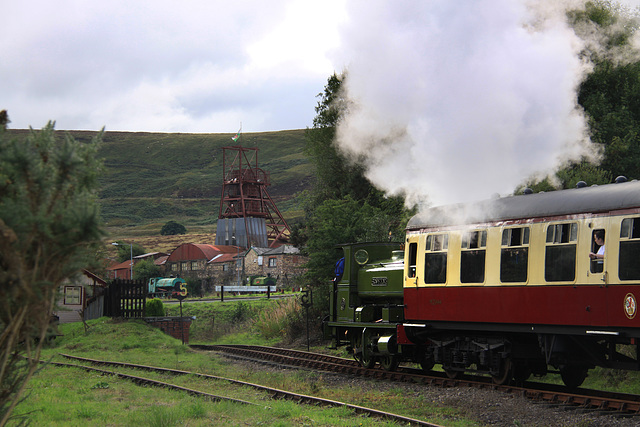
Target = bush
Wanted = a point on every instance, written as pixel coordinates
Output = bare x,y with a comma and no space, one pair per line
154,308
172,228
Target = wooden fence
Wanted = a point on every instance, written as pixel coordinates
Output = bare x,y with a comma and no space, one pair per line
125,298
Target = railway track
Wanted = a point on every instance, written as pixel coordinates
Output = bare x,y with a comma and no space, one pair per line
606,403
273,392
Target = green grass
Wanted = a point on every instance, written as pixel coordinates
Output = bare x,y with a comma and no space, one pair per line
72,397
151,178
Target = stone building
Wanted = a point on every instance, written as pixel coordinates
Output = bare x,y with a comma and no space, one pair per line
192,260
284,263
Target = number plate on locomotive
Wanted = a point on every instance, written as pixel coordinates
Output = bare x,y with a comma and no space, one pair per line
379,281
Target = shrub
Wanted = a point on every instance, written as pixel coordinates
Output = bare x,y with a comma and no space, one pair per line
154,308
171,228
284,319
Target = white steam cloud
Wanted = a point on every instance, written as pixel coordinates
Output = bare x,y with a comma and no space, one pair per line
456,101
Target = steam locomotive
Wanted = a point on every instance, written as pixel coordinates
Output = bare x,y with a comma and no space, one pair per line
167,287
507,287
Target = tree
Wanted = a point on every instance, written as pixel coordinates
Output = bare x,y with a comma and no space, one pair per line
609,95
343,206
171,228
145,270
49,230
126,250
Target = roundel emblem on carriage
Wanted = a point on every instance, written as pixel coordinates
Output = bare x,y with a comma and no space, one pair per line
630,306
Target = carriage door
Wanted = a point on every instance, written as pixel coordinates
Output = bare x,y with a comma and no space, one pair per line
598,234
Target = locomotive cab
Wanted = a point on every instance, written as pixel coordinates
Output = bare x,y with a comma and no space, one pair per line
366,302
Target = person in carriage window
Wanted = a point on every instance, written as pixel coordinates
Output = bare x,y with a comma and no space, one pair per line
598,238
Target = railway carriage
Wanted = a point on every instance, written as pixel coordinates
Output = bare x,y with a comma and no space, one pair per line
506,287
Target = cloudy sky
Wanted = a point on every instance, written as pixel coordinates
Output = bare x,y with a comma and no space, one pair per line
188,66
481,92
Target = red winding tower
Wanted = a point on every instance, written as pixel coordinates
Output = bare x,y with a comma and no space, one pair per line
248,216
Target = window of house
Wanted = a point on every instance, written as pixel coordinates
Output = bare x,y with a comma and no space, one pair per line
628,266
560,252
194,265
514,255
174,266
73,295
472,256
435,258
225,267
184,265
272,262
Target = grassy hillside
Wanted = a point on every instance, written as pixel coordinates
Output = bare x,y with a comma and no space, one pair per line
152,178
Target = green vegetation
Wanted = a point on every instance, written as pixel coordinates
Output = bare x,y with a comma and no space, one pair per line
179,176
154,308
49,230
152,178
68,396
263,320
172,228
609,96
343,206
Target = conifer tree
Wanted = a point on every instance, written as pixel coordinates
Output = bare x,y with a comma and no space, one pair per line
49,231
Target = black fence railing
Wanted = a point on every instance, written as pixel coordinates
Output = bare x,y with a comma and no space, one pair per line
125,298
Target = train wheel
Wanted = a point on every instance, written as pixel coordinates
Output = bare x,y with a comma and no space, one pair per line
427,364
521,372
453,374
367,362
504,375
573,376
389,363
358,354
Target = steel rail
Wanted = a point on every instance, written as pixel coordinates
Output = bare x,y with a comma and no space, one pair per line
155,383
273,392
606,403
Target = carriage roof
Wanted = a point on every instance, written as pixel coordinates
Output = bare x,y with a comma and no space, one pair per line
586,200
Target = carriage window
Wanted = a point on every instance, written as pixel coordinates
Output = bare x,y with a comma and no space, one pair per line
560,253
514,257
597,263
628,266
435,258
413,256
472,256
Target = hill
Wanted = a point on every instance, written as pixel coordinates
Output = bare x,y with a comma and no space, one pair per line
151,178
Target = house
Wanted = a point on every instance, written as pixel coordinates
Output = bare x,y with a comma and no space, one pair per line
76,296
284,263
192,260
121,270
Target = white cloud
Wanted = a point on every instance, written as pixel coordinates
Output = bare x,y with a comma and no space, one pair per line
191,66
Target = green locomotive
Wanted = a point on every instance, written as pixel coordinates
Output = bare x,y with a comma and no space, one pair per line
367,303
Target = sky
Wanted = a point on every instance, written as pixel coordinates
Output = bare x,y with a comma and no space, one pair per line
448,101
189,66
